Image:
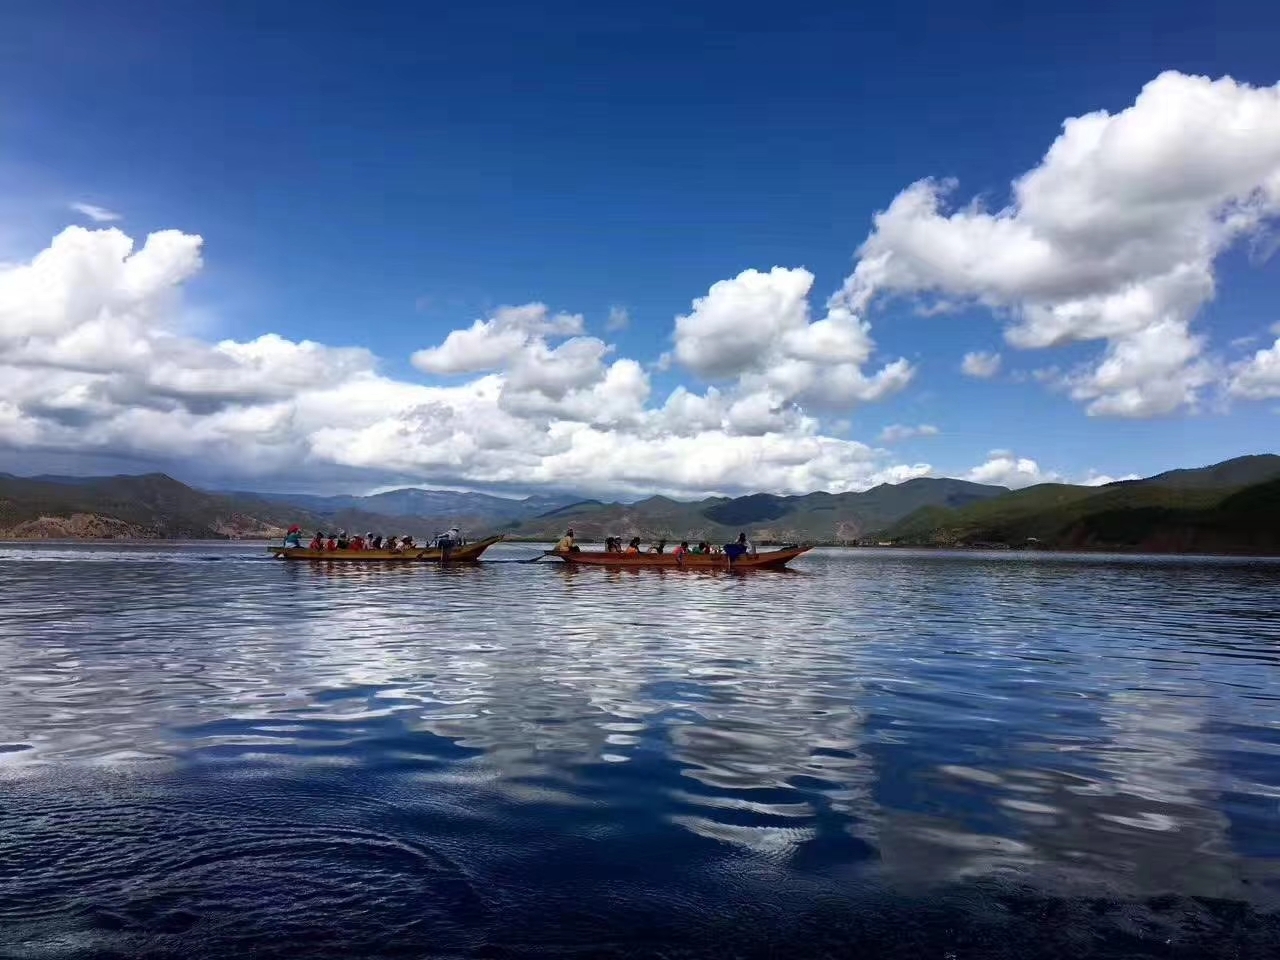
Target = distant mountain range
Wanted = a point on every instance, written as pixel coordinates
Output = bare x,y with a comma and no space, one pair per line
415,502
814,517
1228,507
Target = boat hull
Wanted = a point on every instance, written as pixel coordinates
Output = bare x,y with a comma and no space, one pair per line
773,560
467,553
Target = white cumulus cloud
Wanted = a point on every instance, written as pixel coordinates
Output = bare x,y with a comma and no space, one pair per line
1102,479
980,364
1004,469
96,363
1113,237
1258,378
491,344
756,328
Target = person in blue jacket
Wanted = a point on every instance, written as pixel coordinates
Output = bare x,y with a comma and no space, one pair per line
739,548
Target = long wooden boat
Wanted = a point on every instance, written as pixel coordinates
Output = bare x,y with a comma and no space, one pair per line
771,560
467,553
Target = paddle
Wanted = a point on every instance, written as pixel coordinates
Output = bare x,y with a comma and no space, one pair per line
544,553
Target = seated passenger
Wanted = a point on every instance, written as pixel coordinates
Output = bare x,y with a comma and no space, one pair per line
331,544
702,547
357,543
343,542
681,551
659,547
317,542
407,542
634,545
565,544
293,538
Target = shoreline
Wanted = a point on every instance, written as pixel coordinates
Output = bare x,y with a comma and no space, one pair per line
828,545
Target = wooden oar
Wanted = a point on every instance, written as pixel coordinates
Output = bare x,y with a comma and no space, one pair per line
544,553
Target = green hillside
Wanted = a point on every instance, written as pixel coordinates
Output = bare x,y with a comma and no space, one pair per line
1239,472
1247,521
1181,510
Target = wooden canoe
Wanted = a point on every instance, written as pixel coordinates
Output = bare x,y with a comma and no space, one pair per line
772,560
467,553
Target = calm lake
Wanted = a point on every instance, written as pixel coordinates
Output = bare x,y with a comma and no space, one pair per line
208,753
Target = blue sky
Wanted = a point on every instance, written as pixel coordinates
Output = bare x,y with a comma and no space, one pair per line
378,177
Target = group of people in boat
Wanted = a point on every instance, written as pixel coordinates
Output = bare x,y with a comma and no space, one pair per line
369,541
740,547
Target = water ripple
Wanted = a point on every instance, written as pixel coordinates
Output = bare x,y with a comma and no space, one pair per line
505,759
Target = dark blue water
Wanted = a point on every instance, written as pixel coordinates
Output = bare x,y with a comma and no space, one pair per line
204,753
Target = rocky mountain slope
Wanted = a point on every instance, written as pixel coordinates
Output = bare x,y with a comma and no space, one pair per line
156,506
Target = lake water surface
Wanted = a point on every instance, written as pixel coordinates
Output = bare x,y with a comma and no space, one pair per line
205,752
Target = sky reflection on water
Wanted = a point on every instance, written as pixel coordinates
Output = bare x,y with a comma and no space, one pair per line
682,744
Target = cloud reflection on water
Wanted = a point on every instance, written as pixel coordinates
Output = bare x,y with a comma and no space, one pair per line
919,718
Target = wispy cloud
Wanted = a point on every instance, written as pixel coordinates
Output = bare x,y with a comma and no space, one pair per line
897,432
981,365
936,308
619,319
95,213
